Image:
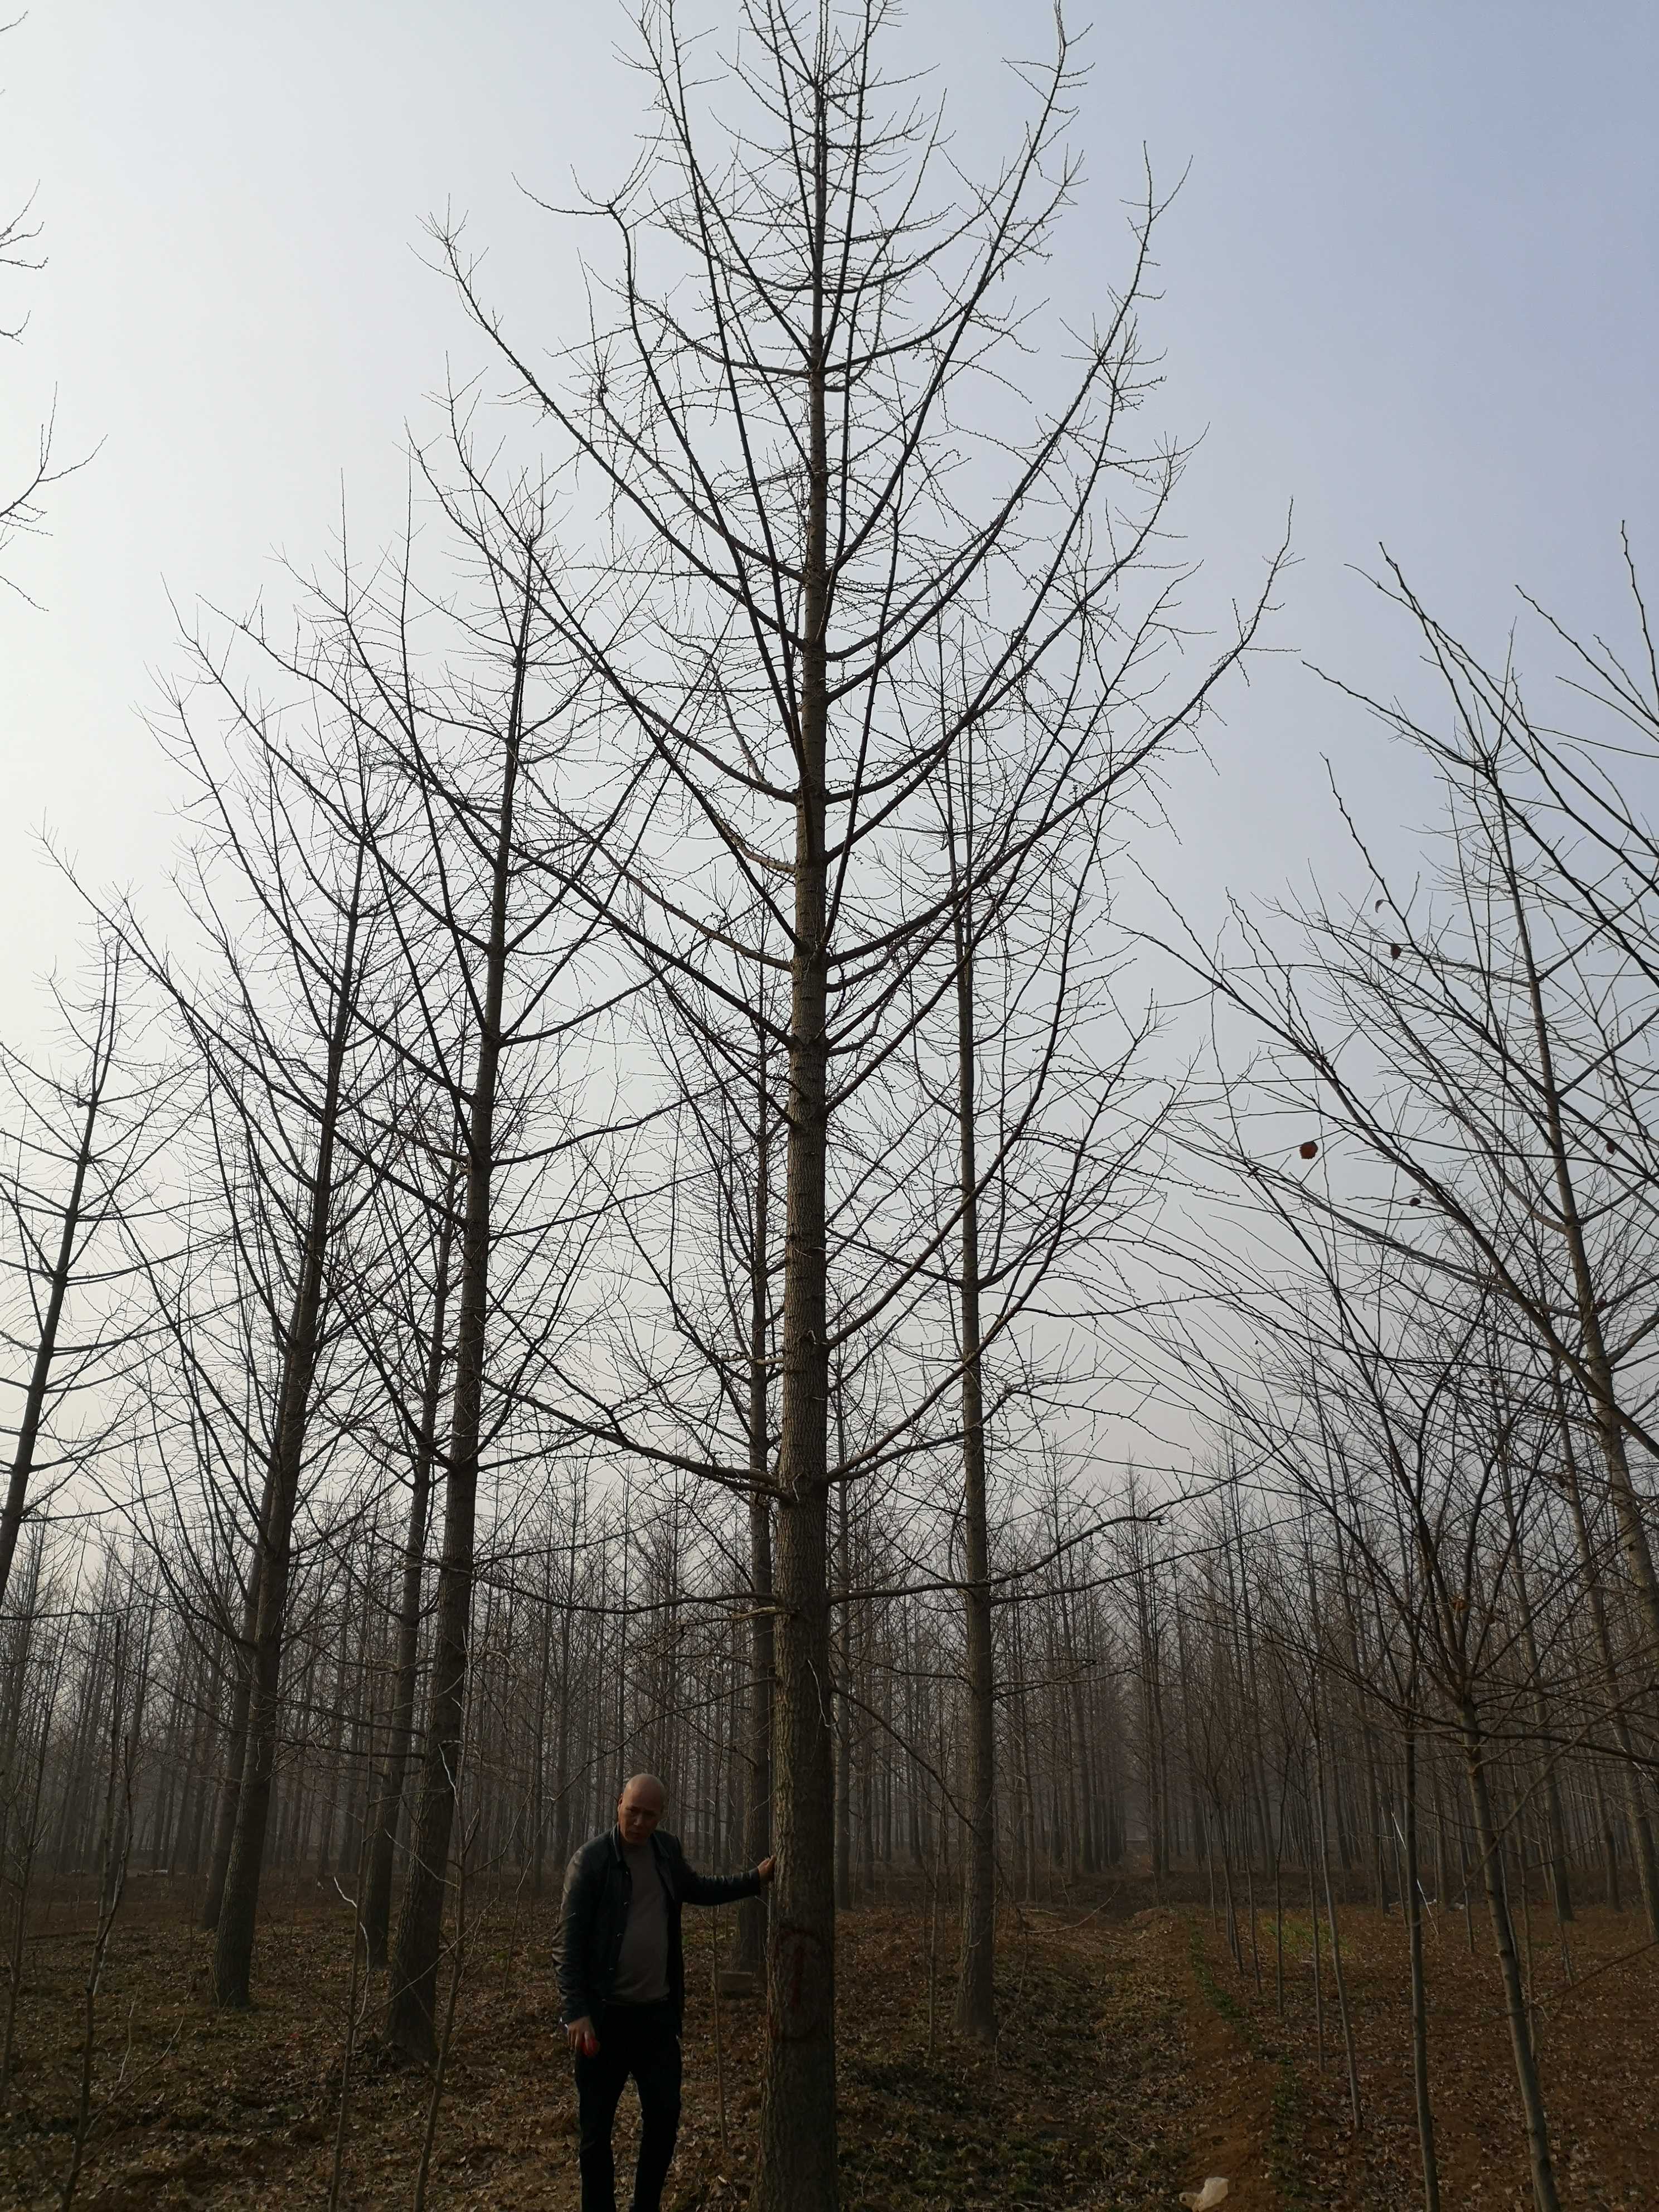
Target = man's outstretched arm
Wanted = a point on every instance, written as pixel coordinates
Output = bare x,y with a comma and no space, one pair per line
724,1888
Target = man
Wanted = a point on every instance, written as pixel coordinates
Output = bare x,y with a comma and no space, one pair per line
622,1981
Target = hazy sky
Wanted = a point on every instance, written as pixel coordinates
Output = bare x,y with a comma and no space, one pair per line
1409,285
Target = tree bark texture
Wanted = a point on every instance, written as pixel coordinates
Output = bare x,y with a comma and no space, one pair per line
1545,2198
389,1798
797,2168
235,1751
976,2007
238,1909
762,1660
1641,1827
412,1998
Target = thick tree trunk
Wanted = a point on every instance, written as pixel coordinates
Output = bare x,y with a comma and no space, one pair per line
757,1763
239,1909
410,2011
976,2006
235,1750
797,2167
763,1640
798,2097
1420,1989
1641,1827
411,2002
388,1805
844,1677
1545,2198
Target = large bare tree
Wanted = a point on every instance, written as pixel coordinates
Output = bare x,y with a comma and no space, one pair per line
790,431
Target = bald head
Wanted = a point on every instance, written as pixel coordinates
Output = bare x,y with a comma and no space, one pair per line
640,1807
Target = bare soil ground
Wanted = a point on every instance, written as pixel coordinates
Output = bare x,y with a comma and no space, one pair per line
1134,2060
1080,2103
1286,2117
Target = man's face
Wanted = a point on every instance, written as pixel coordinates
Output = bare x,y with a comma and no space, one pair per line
638,1811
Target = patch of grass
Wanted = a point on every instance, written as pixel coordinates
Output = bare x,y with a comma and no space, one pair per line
1079,2103
1298,1938
1287,2136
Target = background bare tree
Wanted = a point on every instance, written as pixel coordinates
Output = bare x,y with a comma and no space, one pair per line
78,1193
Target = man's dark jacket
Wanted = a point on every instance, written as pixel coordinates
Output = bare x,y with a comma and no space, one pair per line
598,1890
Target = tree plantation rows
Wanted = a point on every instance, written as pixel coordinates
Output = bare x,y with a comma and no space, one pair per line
1170,1715
660,1192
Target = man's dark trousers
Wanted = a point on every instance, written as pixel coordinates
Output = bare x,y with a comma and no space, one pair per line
641,2040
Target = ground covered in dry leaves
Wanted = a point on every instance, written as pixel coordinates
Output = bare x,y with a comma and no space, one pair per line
1134,2060
1285,2120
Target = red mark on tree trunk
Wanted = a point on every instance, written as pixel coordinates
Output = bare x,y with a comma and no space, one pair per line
800,1985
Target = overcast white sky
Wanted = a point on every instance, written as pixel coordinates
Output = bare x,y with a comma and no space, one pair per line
1409,285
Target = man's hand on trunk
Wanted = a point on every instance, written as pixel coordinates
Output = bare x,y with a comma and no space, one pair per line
766,1869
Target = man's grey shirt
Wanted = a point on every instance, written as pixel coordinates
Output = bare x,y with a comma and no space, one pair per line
642,1968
